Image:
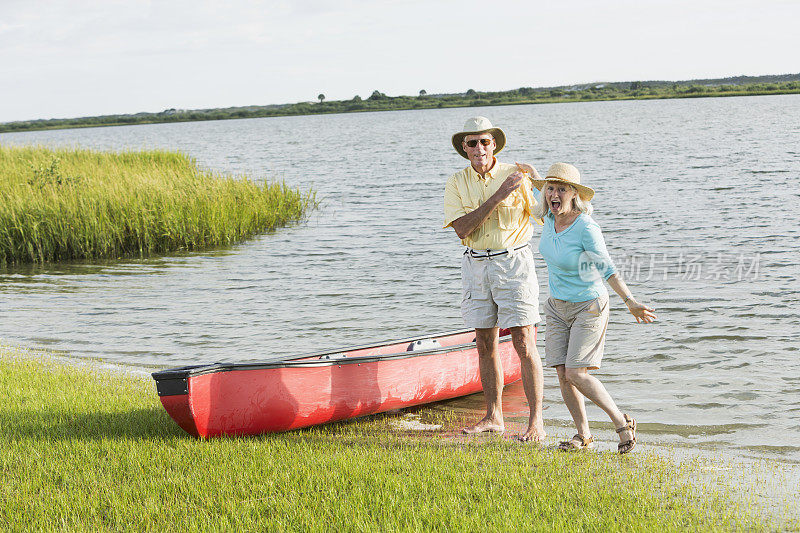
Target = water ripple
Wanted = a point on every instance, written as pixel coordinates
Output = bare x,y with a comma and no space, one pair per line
673,181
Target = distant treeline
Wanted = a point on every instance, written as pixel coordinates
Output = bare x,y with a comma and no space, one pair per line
378,101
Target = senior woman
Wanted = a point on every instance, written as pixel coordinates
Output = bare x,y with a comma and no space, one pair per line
577,260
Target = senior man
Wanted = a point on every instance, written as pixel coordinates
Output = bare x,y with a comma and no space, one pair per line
489,205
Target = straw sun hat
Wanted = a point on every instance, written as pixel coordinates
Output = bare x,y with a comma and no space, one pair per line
566,173
476,126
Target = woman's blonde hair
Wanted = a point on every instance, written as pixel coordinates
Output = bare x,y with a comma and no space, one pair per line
541,209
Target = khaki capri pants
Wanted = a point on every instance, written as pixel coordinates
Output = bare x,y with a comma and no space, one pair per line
576,332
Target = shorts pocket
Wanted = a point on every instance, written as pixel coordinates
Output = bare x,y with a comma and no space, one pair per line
593,308
472,289
473,284
476,293
524,294
594,316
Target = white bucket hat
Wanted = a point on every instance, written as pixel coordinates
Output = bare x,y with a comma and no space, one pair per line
565,173
476,126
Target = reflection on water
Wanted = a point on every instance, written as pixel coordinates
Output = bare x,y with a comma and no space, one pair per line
697,200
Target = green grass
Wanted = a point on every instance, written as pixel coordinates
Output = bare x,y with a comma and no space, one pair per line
84,450
85,204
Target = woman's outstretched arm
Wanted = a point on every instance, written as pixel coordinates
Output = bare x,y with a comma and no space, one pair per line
640,311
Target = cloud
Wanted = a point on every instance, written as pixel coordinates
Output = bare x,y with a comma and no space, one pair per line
138,54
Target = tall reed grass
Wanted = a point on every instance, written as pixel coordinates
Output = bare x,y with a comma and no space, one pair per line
84,204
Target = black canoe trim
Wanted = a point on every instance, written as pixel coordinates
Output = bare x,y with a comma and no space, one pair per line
183,373
173,387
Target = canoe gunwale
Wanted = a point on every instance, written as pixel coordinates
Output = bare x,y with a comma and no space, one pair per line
293,362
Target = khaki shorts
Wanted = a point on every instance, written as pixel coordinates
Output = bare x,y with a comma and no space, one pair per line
576,332
500,291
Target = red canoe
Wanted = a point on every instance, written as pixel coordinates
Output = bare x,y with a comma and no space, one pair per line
280,395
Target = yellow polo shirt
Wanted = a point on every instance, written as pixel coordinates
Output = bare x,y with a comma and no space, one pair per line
508,225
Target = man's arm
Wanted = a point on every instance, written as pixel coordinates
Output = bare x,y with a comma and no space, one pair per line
468,223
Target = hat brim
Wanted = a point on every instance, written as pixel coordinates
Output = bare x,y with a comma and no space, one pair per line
586,193
497,133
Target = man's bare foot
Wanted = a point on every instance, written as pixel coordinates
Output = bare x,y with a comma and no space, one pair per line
485,425
534,433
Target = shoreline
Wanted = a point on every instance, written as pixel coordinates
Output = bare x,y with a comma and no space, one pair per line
515,422
155,118
760,486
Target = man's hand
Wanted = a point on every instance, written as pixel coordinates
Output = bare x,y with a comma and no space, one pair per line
510,185
471,221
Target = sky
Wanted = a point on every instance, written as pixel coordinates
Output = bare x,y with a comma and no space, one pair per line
73,58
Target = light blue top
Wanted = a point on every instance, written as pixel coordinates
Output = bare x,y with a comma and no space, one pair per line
577,259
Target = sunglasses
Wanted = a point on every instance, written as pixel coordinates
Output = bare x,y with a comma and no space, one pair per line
474,142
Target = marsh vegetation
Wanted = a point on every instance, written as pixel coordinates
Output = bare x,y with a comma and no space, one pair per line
85,204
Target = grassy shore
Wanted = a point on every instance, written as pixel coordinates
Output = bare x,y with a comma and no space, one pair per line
85,204
84,450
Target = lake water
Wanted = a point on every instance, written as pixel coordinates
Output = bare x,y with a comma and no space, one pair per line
698,201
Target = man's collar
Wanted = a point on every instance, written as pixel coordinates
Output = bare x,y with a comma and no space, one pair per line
488,172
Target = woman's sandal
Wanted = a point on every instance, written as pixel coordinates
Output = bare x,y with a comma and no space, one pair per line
578,442
628,445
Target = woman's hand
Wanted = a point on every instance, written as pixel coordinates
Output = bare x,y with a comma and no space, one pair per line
642,313
526,168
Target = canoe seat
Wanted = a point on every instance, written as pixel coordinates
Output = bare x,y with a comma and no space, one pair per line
334,356
424,344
